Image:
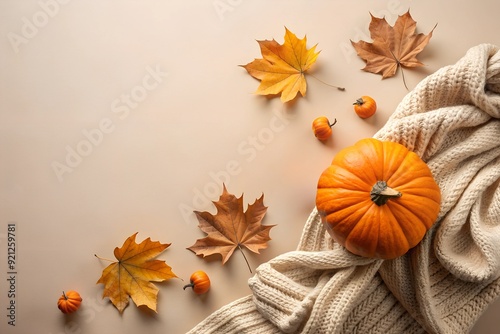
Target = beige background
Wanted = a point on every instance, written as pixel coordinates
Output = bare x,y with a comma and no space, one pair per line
156,86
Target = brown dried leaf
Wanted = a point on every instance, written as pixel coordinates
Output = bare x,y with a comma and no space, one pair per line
232,228
392,47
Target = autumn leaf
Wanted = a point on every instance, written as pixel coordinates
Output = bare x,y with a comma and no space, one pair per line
133,273
283,66
392,47
231,228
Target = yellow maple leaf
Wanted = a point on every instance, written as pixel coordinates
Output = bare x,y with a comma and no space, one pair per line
132,275
283,66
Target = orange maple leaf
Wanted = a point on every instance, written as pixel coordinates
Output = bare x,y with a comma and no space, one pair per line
133,273
232,228
283,66
392,47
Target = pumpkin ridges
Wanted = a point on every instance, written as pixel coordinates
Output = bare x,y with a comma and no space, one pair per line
343,219
411,171
422,187
199,282
365,106
392,240
414,186
385,241
346,215
432,198
349,222
394,161
426,210
336,201
343,206
345,178
69,301
364,237
356,163
413,232
350,218
377,159
322,128
341,196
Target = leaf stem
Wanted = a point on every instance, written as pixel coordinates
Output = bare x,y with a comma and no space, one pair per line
325,83
244,256
103,258
400,67
403,74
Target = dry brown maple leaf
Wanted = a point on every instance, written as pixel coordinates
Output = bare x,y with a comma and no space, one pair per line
392,47
133,273
283,66
232,228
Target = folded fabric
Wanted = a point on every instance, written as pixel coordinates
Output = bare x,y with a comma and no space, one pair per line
452,121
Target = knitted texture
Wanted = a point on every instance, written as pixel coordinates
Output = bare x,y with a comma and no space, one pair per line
451,120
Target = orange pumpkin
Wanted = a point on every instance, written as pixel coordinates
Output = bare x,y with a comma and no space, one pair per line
199,281
322,128
378,199
69,302
365,106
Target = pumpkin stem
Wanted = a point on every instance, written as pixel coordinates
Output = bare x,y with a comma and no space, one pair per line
381,193
64,295
359,101
190,285
334,122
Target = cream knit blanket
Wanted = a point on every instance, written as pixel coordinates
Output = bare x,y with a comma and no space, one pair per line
452,120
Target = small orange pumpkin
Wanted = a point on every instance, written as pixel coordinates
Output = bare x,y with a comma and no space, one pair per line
365,106
322,128
378,199
199,281
69,302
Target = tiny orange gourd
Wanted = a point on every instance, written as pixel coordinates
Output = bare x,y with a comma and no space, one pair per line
199,281
322,128
69,301
377,199
365,106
